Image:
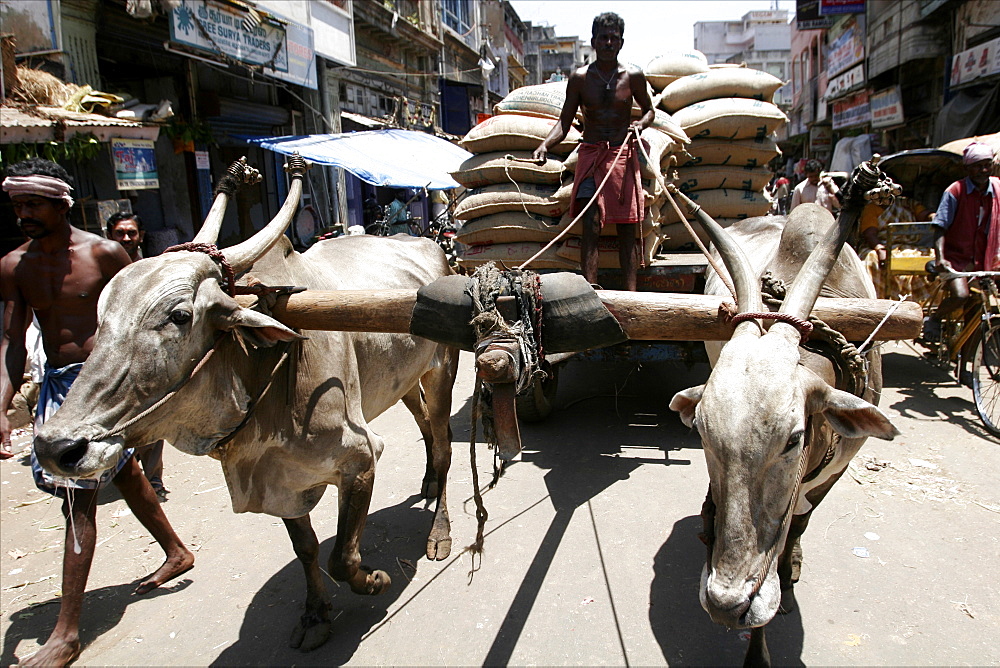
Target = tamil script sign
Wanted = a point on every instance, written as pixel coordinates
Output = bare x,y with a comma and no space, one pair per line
830,7
974,63
887,108
223,29
846,82
853,110
135,164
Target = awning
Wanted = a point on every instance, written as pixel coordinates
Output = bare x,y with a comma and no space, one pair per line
42,124
396,158
363,120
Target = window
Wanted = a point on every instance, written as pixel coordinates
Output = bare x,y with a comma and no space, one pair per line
457,15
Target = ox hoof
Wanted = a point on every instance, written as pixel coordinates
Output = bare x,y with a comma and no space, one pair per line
429,488
788,603
380,582
310,633
438,549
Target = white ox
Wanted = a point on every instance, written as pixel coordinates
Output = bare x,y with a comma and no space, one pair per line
159,316
768,404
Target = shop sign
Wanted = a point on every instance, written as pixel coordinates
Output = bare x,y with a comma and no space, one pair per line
887,108
807,16
846,82
301,60
820,138
833,7
135,164
223,29
853,110
979,61
846,50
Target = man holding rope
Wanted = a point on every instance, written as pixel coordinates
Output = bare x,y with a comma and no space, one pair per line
608,168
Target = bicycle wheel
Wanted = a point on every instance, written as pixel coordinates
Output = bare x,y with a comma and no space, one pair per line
986,379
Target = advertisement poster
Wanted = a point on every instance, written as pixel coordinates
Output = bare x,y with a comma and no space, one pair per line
820,138
853,110
887,108
135,164
971,64
847,50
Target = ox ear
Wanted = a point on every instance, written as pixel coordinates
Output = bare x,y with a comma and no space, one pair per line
262,331
685,401
849,415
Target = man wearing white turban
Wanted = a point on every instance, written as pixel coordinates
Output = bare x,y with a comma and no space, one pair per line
967,230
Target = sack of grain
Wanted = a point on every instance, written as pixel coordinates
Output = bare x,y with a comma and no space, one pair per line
735,82
668,125
544,100
730,118
671,66
724,203
735,152
707,177
513,254
508,227
607,250
513,132
501,167
533,197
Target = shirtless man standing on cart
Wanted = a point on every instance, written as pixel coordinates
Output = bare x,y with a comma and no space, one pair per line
604,89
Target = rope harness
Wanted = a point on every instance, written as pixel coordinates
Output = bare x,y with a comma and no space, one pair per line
486,285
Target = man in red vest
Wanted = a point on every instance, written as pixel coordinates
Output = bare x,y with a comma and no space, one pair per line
967,230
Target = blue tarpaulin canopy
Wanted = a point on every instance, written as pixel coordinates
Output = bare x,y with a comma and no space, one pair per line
396,158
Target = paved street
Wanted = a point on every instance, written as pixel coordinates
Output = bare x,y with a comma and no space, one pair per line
592,556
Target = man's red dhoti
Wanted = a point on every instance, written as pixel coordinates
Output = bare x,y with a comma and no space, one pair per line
621,201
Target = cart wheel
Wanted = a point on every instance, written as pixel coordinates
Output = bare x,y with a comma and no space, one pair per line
986,379
537,403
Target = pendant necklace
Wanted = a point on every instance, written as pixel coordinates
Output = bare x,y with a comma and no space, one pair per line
610,80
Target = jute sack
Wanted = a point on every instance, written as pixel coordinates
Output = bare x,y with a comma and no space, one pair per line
607,250
671,66
730,118
707,177
500,167
723,203
734,153
508,227
669,126
648,225
513,132
538,199
544,100
676,236
513,254
730,82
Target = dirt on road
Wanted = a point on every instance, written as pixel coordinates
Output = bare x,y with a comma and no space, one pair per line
592,556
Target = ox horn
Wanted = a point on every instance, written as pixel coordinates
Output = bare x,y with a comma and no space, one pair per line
242,256
801,296
238,174
745,280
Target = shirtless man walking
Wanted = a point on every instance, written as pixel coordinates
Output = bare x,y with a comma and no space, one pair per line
59,274
604,89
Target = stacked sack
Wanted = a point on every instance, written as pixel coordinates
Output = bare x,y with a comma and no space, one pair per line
726,110
515,207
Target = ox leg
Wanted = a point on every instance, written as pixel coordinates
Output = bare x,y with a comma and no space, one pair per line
353,498
414,402
790,563
757,654
313,628
438,384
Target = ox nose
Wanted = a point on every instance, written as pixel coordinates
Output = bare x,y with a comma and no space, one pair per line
61,456
726,604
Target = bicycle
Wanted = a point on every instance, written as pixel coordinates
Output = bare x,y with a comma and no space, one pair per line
973,336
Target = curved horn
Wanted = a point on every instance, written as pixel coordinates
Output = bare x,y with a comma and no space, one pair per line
242,256
745,280
801,297
238,174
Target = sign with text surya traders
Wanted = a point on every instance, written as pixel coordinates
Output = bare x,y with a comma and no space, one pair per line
135,164
219,28
853,110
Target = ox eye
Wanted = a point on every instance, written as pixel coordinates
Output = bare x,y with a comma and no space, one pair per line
180,317
794,441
